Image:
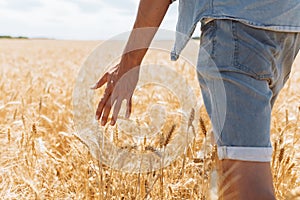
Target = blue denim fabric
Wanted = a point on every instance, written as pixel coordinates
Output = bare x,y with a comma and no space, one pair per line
241,70
277,15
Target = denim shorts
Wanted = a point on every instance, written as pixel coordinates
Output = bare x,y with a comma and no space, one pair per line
241,70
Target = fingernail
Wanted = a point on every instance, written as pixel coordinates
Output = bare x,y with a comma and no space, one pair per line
96,117
102,123
112,122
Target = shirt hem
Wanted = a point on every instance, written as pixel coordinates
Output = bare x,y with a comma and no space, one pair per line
271,27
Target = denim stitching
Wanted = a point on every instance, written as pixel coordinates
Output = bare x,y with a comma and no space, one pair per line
236,47
214,33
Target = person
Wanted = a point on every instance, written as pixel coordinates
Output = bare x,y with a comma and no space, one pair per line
253,44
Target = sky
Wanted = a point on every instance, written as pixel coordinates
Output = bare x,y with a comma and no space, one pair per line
72,19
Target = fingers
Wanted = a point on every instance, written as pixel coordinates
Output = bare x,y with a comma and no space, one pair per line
104,109
117,108
129,105
101,82
100,107
107,101
106,112
103,102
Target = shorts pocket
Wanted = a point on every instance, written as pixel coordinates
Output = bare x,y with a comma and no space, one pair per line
252,53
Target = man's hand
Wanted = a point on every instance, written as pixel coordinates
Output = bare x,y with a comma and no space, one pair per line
122,79
120,85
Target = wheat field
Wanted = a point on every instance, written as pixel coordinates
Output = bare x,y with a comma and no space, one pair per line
42,158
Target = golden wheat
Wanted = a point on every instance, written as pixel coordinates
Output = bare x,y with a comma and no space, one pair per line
41,158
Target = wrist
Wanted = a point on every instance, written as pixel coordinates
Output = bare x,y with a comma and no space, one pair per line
131,60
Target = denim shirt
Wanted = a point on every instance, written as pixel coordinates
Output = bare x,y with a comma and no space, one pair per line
276,15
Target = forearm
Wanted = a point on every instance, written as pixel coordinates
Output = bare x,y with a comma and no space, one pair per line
149,17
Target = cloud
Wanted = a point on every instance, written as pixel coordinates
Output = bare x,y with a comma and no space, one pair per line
94,6
20,5
72,19
123,6
87,6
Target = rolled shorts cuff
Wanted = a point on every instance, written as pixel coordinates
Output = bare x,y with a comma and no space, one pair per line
254,154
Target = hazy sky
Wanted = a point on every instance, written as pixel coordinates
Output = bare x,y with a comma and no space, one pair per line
72,19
